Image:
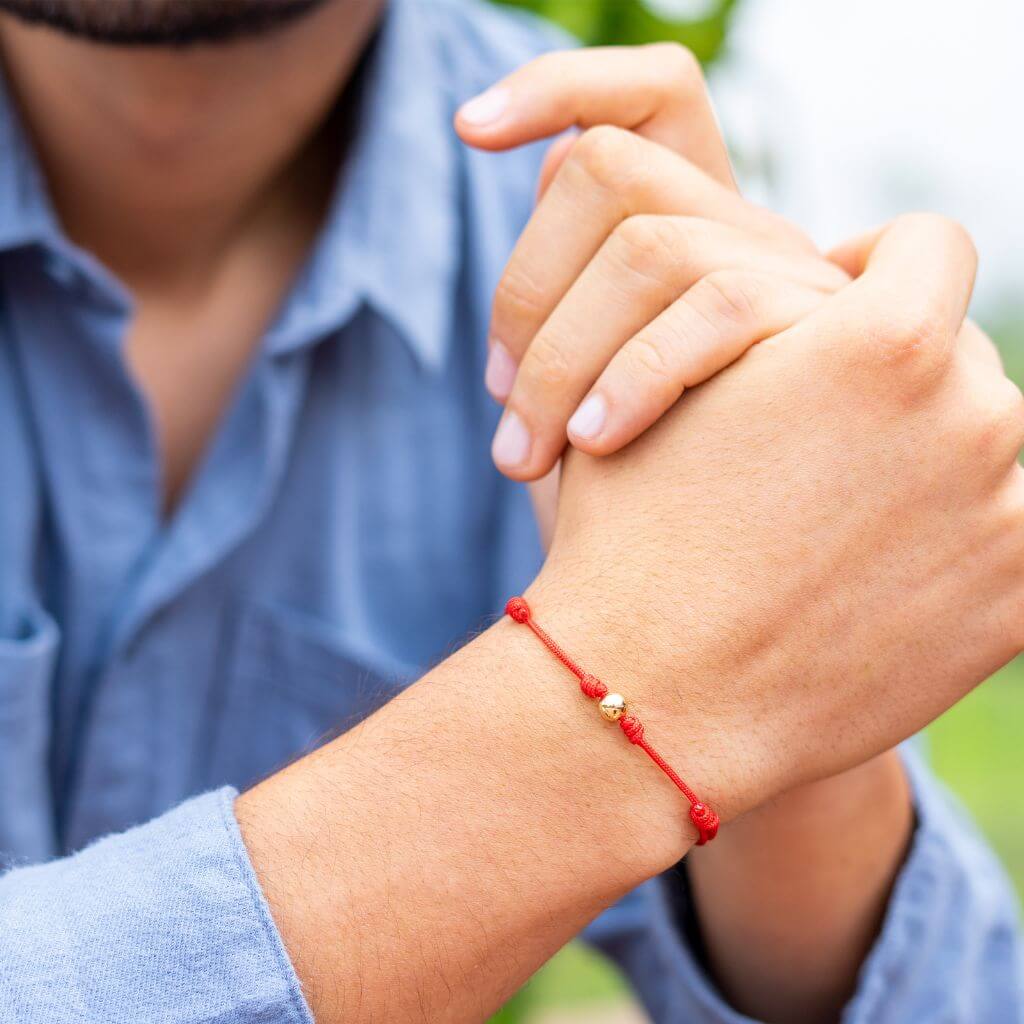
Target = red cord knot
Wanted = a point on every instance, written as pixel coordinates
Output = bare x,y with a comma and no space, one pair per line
592,686
518,610
705,821
633,728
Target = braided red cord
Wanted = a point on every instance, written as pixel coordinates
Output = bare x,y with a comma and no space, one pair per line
703,817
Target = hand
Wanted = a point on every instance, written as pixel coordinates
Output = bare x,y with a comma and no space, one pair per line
641,273
820,550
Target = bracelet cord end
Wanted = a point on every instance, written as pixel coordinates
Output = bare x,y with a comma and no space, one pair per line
705,821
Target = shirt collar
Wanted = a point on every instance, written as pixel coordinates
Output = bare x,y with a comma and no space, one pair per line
391,234
390,238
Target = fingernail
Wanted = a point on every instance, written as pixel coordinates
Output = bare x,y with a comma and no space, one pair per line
588,420
500,374
511,445
485,108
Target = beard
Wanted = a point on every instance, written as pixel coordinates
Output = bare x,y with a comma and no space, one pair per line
160,22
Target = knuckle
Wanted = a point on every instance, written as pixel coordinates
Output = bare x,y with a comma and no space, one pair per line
729,296
1012,509
649,245
914,342
1015,620
903,351
1017,623
999,423
604,153
916,328
938,228
1013,403
518,295
546,367
782,230
681,65
935,232
649,361
958,238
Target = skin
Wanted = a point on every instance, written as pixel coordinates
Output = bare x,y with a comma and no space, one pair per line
186,213
910,499
200,181
639,212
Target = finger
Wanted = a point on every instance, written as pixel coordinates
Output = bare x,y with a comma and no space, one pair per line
993,404
553,160
908,304
608,175
657,91
852,254
708,328
644,266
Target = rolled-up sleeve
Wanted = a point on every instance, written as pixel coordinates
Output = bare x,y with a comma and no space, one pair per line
950,948
165,923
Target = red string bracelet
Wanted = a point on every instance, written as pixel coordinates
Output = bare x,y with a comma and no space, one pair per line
613,708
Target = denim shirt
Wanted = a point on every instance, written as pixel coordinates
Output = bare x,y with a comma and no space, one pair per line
345,527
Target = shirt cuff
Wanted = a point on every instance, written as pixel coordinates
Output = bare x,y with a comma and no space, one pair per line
164,922
949,947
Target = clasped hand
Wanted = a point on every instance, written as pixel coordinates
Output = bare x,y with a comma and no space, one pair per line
820,549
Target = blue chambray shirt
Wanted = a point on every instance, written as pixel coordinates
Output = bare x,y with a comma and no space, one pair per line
345,527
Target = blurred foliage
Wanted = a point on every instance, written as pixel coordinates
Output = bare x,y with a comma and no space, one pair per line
976,750
629,22
576,979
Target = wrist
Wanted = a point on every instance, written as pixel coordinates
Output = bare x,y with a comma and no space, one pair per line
689,694
607,666
490,789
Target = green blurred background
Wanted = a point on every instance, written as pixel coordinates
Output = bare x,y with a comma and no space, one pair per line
976,748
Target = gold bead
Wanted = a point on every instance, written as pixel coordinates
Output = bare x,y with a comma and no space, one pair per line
613,707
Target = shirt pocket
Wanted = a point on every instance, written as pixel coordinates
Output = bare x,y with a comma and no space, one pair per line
293,683
28,656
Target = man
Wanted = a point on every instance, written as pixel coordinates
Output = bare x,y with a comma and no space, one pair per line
248,497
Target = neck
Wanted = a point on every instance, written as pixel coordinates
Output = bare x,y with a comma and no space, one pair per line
157,160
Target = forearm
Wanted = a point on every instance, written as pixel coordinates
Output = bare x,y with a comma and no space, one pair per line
791,896
423,865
